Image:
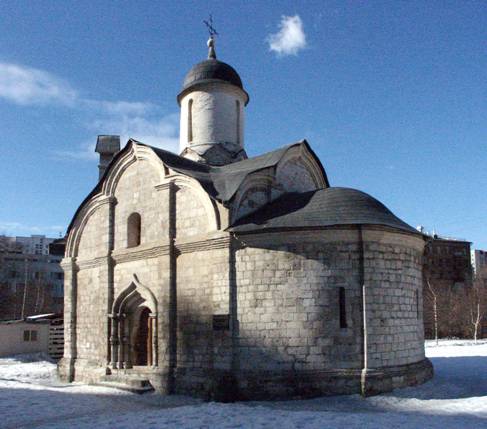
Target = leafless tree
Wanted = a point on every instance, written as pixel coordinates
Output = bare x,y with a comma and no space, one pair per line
25,288
477,303
432,295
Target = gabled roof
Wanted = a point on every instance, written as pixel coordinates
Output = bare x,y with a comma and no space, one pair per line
220,182
321,208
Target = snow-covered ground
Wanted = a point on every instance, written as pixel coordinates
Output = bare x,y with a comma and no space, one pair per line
32,397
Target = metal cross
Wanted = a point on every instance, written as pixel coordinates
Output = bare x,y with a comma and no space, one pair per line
209,25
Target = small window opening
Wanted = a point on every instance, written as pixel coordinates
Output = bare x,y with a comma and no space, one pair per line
221,322
238,121
30,335
417,304
342,305
133,230
190,121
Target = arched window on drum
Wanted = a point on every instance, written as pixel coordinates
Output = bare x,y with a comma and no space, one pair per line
190,121
237,106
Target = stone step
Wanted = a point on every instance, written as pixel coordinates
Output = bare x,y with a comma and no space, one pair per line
127,383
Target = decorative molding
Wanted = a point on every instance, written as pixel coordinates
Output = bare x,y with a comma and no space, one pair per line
165,186
134,254
209,244
93,263
69,264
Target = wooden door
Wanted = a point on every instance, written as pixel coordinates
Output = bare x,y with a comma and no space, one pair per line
144,339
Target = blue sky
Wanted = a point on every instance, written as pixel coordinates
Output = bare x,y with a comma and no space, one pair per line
390,95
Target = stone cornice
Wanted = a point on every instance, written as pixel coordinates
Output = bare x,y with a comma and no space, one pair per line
93,263
68,264
208,244
164,186
135,254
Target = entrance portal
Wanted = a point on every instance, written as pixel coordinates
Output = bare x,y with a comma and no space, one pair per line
133,328
143,341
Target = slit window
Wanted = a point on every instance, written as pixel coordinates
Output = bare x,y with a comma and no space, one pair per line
190,120
342,307
417,304
238,121
133,230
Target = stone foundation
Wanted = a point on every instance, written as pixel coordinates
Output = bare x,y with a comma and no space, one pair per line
279,385
225,386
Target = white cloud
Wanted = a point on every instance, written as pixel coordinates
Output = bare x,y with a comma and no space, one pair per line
24,85
140,120
152,130
118,107
290,39
83,152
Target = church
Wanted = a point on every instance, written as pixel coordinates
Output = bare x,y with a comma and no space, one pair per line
226,277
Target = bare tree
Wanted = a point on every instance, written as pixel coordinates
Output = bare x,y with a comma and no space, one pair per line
477,302
434,299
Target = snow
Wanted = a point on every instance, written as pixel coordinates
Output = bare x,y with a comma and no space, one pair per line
31,396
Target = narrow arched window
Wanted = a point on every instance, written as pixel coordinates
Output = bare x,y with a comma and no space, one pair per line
133,230
342,307
417,304
190,121
238,121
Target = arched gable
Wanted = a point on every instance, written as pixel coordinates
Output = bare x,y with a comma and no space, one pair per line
256,191
300,171
187,207
86,213
106,192
135,152
297,171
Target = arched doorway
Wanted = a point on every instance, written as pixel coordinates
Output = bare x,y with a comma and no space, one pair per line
143,339
133,328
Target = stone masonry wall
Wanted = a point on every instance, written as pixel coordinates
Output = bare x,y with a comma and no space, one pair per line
198,301
94,240
191,219
393,278
91,315
288,301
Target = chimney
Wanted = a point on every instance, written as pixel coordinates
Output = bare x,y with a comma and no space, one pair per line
107,147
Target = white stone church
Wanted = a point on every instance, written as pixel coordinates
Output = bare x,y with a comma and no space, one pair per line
227,277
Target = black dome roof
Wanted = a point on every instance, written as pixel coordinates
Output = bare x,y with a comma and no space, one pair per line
211,70
323,207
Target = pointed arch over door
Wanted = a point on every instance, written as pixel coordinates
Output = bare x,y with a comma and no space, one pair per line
133,327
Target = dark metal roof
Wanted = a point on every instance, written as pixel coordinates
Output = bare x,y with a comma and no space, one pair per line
211,70
321,208
220,182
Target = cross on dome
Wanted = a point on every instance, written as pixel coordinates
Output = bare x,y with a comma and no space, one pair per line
211,41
